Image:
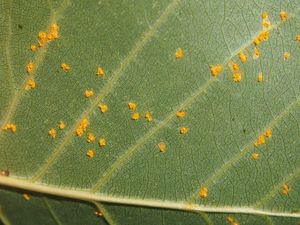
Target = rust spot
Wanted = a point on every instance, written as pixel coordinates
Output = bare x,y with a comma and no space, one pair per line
4,173
30,84
65,67
135,116
267,133
100,72
243,57
98,213
259,141
33,48
179,53
254,156
52,133
26,197
285,189
286,55
29,67
88,93
102,142
90,137
162,146
61,125
183,130
256,53
131,105
260,77
103,108
148,117
81,128
283,15
180,114
90,153
10,127
203,192
216,70
237,77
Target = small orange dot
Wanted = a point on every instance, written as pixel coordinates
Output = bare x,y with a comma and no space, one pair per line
52,133
90,153
102,142
65,67
203,192
26,197
183,130
179,53
162,147
135,116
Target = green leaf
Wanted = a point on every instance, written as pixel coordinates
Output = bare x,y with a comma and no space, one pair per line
149,172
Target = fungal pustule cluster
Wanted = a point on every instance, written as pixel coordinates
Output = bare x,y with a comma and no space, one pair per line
90,137
44,37
100,72
30,84
236,74
262,36
136,115
243,57
81,127
231,220
103,107
254,156
148,117
183,130
90,153
215,70
286,55
52,132
260,77
4,173
285,189
61,125
265,20
203,192
256,53
179,53
10,127
180,114
261,139
26,197
283,15
162,147
65,67
29,67
98,213
102,142
88,93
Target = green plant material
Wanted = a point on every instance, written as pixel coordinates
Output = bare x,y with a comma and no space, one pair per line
149,112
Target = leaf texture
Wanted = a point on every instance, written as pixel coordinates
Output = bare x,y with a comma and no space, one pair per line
180,112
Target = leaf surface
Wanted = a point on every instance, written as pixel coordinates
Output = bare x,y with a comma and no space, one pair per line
160,55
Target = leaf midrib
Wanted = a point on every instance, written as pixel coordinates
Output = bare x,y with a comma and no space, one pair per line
22,183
